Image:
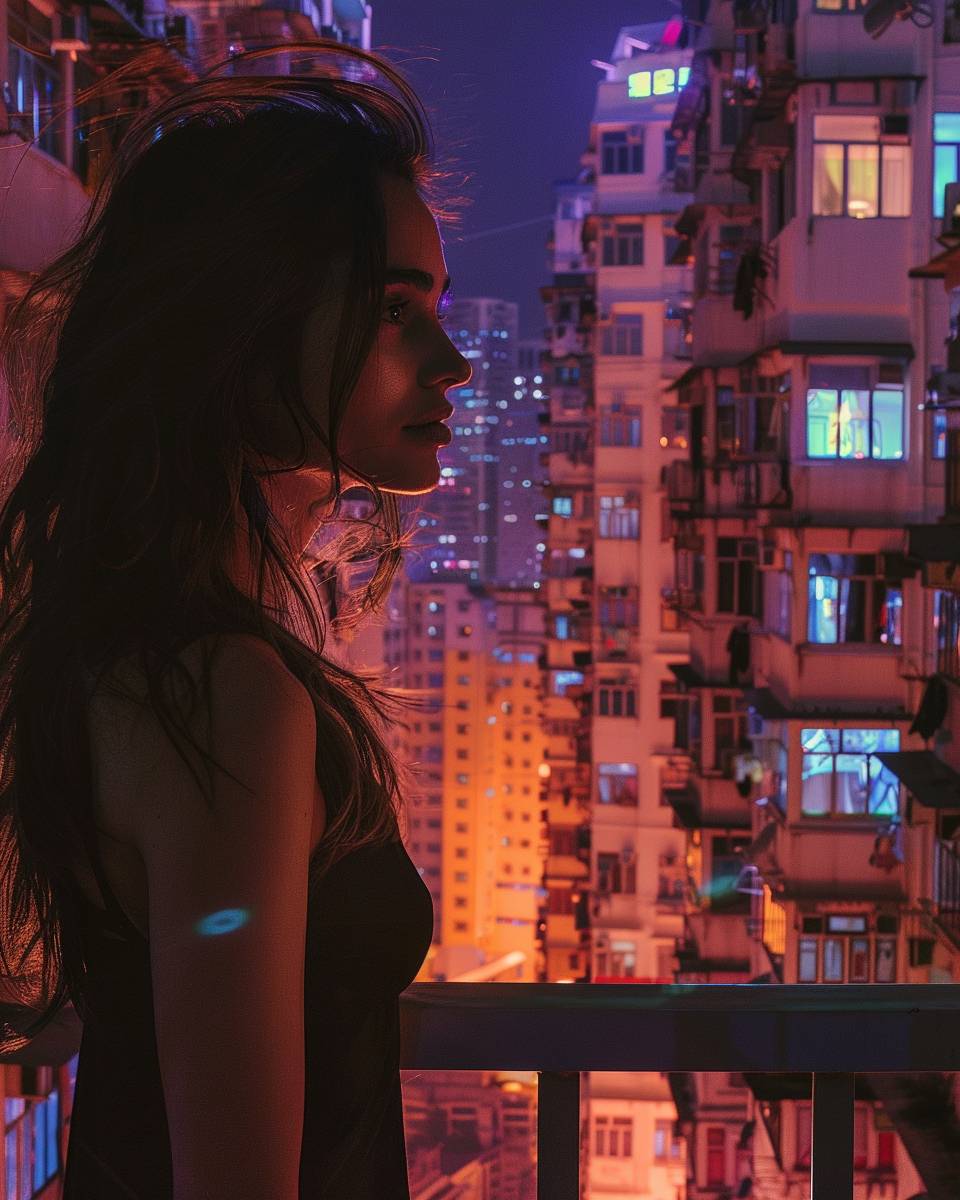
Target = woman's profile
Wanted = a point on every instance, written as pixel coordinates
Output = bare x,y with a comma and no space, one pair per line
200,810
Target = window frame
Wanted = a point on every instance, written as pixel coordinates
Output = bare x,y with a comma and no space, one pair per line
877,595
835,749
624,247
952,142
621,152
622,336
881,141
873,386
618,517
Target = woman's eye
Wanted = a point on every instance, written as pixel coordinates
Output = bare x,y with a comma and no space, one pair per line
395,306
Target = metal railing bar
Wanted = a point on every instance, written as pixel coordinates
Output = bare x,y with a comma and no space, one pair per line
558,1135
831,1151
699,1027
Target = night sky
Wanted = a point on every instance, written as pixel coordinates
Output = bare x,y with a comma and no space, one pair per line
510,91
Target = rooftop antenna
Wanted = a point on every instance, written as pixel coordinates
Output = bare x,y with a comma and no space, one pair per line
879,15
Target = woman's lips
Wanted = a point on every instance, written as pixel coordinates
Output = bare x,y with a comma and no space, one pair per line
433,433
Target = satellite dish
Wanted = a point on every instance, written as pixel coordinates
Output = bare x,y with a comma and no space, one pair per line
879,15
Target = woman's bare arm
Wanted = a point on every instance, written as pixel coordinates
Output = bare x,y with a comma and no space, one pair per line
227,922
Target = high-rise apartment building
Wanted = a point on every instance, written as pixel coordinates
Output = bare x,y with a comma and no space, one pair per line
476,750
519,548
618,329
814,817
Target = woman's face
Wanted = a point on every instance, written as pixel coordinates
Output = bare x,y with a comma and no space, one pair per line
391,429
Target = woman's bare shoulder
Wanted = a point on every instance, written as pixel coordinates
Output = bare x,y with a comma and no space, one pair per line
254,699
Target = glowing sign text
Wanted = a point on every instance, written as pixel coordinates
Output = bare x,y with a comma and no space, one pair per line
662,82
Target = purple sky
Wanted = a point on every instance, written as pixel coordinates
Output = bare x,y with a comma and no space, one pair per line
510,93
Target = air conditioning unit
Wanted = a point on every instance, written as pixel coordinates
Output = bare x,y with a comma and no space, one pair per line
951,211
71,32
895,124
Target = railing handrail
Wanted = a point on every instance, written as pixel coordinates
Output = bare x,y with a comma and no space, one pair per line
681,1027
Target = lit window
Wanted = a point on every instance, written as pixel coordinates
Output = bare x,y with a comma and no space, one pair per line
846,602
848,418
842,776
617,783
619,517
938,433
565,679
856,172
946,155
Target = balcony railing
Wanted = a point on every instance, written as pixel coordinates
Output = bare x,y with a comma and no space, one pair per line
946,889
833,1032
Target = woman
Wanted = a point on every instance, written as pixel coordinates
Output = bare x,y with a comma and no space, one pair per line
202,806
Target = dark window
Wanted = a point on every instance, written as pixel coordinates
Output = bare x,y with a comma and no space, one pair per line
619,154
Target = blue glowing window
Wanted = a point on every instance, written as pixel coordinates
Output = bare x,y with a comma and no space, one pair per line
841,775
938,433
564,679
946,155
847,602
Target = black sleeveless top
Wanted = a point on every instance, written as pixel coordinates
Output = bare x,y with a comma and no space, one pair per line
369,925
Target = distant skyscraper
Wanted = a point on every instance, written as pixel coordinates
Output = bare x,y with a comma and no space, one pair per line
457,525
519,548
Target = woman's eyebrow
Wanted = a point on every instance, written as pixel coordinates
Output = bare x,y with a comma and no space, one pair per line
421,280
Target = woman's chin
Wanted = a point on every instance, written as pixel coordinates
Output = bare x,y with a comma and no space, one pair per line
410,481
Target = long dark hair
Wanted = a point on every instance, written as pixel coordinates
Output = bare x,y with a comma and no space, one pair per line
128,365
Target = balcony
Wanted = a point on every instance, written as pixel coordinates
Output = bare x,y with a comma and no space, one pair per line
831,1032
684,482
761,485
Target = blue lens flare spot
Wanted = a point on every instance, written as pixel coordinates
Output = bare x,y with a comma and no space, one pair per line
224,921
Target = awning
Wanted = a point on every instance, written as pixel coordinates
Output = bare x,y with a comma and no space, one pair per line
945,263
686,805
768,705
689,220
932,783
687,675
683,253
712,361
842,349
816,891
